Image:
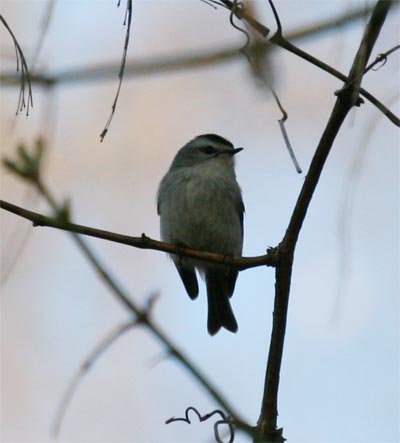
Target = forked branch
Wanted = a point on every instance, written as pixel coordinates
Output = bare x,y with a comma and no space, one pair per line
267,429
278,39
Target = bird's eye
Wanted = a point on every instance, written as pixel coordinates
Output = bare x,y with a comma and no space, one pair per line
209,150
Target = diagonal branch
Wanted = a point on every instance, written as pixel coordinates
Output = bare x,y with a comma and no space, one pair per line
370,35
141,316
279,40
267,422
43,32
27,166
127,22
83,370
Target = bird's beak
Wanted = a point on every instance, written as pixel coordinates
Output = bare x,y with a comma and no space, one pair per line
235,151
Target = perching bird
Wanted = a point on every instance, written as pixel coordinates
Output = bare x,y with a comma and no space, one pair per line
200,207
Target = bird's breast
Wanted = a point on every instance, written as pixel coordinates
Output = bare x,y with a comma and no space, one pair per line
198,210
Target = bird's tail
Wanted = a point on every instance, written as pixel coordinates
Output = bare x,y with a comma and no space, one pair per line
220,312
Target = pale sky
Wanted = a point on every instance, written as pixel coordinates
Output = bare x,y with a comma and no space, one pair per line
340,375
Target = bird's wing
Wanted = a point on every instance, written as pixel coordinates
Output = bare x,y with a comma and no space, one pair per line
240,210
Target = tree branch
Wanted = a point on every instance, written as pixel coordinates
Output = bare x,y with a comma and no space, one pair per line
159,65
279,40
25,79
128,23
28,166
140,315
267,422
143,242
281,258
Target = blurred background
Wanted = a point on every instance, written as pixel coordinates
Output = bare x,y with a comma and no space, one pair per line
340,375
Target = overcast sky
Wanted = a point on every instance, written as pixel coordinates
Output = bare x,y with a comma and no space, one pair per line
340,374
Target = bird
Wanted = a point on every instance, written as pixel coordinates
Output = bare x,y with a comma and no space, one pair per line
200,205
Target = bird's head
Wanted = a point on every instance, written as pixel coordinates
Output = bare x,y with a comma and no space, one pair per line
205,148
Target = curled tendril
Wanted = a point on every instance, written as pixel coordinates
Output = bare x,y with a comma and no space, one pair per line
381,59
228,422
225,420
235,12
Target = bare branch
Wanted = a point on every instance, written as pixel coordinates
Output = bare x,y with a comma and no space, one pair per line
62,216
143,242
284,132
84,369
234,13
380,59
159,65
44,28
267,422
241,14
256,60
19,235
279,40
345,213
128,15
281,258
14,247
25,75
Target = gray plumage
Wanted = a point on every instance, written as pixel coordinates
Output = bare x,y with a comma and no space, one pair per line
200,207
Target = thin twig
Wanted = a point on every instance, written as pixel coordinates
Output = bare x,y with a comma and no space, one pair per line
44,28
237,5
380,59
241,13
17,240
25,75
276,16
234,12
16,243
289,146
101,347
128,15
345,213
283,130
279,40
160,65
